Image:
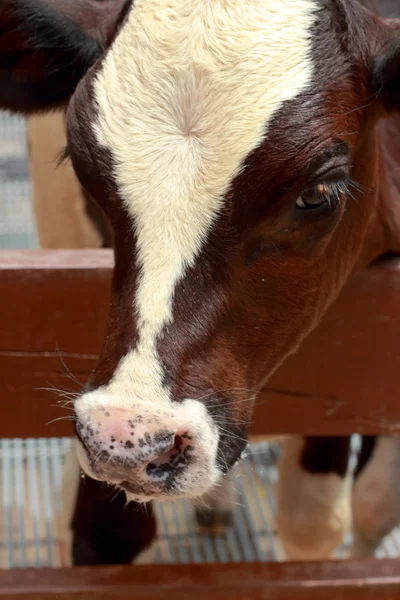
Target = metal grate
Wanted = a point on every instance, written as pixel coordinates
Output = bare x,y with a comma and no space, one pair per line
30,475
17,225
250,538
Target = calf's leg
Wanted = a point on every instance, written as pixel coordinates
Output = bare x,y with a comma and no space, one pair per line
376,494
96,525
313,496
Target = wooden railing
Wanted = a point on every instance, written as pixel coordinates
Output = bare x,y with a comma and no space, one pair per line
344,379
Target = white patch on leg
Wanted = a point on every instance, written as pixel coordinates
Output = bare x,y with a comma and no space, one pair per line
69,494
147,557
313,510
376,497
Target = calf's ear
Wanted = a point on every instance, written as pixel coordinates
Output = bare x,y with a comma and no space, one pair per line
47,46
374,44
385,71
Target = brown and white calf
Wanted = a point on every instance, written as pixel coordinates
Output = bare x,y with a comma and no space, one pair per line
245,154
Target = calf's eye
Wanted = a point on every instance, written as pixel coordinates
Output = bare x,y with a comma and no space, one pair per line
323,194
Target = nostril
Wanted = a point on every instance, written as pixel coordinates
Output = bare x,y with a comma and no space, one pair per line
166,457
178,441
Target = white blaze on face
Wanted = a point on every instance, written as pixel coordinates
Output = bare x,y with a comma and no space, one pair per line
185,93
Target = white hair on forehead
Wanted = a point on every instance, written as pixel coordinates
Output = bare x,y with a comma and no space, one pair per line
185,93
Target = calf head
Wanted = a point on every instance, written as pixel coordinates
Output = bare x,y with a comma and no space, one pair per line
233,146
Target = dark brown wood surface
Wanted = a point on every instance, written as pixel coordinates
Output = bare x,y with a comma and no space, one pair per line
372,580
53,308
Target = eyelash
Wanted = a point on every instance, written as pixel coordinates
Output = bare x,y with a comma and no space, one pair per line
330,193
63,157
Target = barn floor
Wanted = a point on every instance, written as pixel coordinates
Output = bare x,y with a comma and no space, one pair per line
30,475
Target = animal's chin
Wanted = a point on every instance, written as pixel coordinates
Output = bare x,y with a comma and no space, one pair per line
228,457
141,493
141,499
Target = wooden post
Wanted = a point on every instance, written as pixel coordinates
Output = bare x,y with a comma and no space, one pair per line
342,580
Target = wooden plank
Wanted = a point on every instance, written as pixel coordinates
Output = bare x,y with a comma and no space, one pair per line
53,308
307,581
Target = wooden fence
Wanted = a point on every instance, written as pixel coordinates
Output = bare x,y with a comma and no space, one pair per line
344,379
